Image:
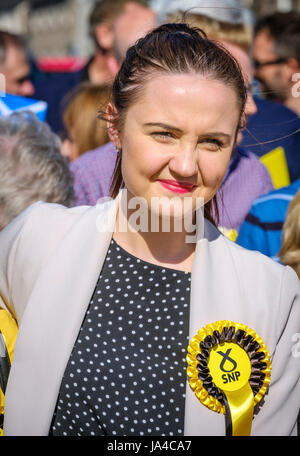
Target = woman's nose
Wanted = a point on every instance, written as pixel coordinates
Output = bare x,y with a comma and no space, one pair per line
184,162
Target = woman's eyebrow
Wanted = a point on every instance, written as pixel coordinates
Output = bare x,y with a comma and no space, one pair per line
163,125
214,134
217,134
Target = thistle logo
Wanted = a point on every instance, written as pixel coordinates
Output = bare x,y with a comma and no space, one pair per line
227,359
228,377
229,366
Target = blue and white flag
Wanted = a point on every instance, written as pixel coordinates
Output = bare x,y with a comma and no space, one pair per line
12,103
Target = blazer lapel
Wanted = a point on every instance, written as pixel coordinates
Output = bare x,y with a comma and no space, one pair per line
54,314
216,294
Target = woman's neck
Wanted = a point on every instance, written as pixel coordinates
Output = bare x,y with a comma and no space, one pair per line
168,249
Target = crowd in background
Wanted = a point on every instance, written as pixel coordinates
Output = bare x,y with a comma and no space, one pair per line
68,158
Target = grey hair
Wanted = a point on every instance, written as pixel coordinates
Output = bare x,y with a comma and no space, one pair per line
31,166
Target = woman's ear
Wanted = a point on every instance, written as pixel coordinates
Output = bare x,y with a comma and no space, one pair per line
113,132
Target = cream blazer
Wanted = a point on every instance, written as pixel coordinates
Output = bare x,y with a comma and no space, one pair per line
50,260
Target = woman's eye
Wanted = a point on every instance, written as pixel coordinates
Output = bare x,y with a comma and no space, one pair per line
163,135
214,144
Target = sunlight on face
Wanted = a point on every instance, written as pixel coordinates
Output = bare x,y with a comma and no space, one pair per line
178,137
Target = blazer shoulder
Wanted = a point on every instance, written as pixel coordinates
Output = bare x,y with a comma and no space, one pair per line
250,266
252,256
40,216
39,228
253,264
46,216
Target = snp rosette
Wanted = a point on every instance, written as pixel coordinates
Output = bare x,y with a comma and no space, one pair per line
229,370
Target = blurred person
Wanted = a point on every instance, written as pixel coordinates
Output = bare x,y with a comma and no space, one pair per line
289,253
15,65
32,167
274,132
247,178
114,26
84,131
228,21
276,52
97,294
262,228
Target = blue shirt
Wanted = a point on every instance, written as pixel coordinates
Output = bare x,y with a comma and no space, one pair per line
262,229
273,134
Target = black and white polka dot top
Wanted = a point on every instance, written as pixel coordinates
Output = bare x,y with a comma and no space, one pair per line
127,371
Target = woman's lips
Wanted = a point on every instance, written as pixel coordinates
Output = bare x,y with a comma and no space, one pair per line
177,187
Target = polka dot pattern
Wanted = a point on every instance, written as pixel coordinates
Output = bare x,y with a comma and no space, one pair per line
127,371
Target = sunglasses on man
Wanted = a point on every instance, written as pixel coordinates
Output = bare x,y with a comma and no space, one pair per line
258,64
25,78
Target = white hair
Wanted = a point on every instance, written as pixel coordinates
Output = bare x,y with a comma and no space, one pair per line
31,166
227,11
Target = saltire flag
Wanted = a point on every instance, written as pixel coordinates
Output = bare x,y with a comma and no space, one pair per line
12,103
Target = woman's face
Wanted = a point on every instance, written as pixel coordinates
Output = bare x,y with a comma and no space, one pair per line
177,138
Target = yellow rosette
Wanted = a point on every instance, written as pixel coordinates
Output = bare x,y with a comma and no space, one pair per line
8,334
229,371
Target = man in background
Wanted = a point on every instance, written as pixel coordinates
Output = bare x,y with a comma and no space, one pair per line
114,26
14,65
276,52
277,60
274,132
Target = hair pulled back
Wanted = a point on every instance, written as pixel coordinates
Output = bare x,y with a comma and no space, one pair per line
174,48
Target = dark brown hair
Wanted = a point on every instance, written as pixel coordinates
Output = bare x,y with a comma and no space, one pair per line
177,49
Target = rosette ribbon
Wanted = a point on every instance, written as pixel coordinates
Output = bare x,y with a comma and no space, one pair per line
229,370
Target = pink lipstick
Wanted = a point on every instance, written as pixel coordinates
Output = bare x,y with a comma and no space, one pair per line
177,187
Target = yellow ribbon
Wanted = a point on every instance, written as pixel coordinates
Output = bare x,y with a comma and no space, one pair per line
241,406
225,363
230,369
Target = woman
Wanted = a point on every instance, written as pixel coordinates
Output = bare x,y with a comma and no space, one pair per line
108,297
84,131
